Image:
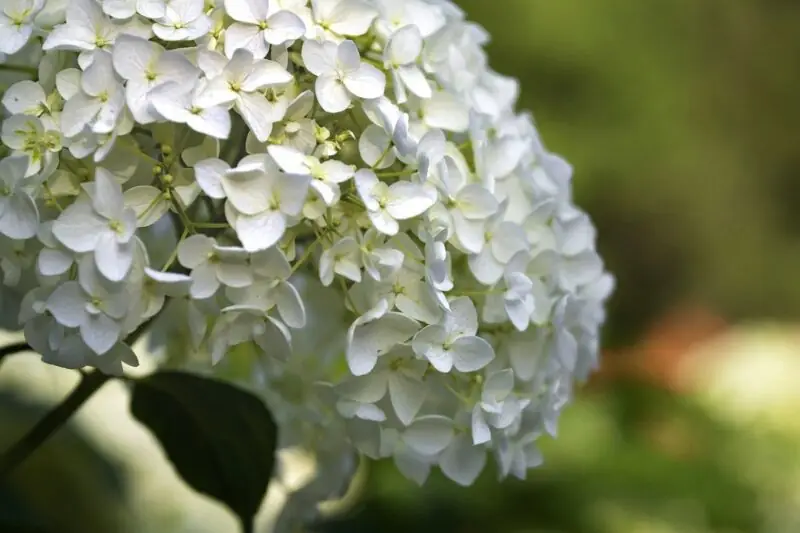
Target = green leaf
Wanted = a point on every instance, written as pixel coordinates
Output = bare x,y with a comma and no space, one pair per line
220,438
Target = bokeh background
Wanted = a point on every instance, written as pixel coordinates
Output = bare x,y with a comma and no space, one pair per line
682,119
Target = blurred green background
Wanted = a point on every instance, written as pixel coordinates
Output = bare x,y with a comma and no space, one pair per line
682,120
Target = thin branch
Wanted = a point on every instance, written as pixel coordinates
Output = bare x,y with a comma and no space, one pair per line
54,420
15,348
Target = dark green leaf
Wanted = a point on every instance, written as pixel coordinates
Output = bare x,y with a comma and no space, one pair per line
220,438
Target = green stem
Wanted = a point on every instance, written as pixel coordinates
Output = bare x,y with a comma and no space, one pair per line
210,225
306,255
247,525
174,256
14,348
395,174
54,420
177,203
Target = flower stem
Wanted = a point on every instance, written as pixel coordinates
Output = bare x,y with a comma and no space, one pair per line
398,174
90,383
11,349
55,419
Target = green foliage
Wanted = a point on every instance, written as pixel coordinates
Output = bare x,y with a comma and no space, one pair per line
220,439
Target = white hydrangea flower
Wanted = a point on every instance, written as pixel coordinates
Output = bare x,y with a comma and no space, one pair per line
453,343
16,23
92,306
99,222
239,82
258,26
341,75
404,259
183,20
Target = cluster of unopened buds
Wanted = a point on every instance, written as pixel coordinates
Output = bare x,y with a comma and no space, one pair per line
332,202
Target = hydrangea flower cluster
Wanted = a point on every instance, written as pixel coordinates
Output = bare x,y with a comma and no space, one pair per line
332,201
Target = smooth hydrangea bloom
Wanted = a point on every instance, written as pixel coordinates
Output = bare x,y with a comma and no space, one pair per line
332,202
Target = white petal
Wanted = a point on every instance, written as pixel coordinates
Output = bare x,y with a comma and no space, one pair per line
566,349
462,320
444,111
208,174
373,145
113,258
172,100
259,232
476,203
216,92
20,217
462,461
413,78
13,37
429,435
171,283
336,171
264,73
383,222
195,250
519,312
366,180
429,343
407,396
79,227
365,389
68,304
351,17
319,58
471,354
485,267
204,282
147,202
106,194
248,189
256,112
133,56
366,341
53,262
470,233
408,200
413,467
24,97
235,275
214,121
67,37
290,305
498,386
110,111
292,190
152,9
405,45
331,94
284,26
77,113
480,429
245,37
291,160
100,333
366,82
250,11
